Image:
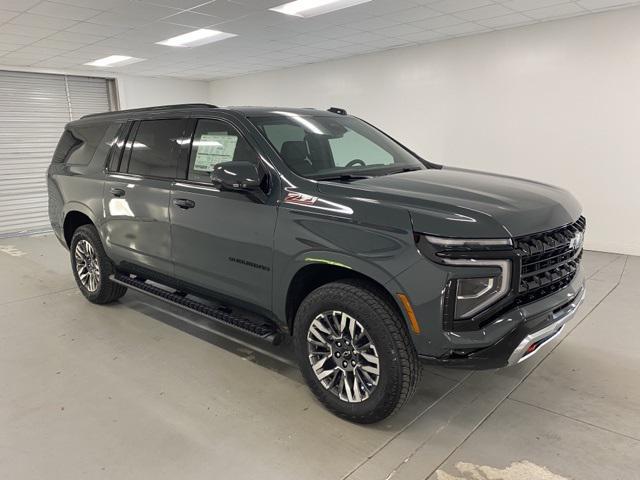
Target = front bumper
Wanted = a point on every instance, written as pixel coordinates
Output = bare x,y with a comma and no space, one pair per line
505,340
547,284
539,326
531,344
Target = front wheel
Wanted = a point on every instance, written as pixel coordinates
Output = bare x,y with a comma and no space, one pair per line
355,352
92,267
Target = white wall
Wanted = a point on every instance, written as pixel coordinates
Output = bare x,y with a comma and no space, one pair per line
137,92
558,102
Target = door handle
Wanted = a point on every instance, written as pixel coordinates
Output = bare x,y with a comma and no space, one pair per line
117,192
184,203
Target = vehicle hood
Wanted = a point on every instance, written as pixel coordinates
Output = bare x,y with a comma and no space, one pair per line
465,203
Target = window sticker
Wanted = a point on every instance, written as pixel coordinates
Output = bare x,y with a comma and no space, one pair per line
213,148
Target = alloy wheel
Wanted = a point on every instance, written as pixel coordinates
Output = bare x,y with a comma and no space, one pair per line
343,356
87,265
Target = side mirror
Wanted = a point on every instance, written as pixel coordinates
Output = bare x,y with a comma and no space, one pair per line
238,176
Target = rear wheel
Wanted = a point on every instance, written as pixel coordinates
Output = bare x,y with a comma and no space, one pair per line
355,352
92,267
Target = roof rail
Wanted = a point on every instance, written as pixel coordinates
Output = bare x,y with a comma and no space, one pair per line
151,109
339,111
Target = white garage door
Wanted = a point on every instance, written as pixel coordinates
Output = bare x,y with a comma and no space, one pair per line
34,108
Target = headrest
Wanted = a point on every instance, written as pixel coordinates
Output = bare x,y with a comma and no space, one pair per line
294,151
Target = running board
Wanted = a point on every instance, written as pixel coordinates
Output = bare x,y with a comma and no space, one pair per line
263,329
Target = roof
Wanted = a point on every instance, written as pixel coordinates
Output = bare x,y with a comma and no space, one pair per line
247,111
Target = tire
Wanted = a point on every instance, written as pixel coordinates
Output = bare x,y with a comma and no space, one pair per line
89,261
397,362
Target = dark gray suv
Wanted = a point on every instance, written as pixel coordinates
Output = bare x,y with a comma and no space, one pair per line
315,224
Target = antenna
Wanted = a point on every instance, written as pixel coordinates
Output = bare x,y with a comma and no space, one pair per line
339,111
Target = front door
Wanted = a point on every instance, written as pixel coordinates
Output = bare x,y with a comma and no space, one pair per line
137,195
222,241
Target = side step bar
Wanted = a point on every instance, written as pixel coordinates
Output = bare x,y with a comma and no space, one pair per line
263,329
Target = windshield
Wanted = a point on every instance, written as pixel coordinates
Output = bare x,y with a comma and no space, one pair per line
320,147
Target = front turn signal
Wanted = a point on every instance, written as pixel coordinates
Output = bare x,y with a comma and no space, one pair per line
410,313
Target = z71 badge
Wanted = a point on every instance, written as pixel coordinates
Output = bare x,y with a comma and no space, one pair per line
300,198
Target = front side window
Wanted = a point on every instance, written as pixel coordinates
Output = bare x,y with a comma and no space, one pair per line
214,142
154,152
324,147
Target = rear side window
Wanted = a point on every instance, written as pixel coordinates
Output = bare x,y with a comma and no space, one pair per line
89,137
154,152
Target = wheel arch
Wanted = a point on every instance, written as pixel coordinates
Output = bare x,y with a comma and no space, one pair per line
75,216
313,275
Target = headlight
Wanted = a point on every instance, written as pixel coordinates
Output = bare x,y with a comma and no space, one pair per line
459,243
472,295
468,294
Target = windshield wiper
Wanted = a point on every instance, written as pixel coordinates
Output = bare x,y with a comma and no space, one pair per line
344,177
403,170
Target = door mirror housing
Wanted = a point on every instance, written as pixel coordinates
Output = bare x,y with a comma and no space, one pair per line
236,176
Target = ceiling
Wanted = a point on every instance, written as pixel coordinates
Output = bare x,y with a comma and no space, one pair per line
65,34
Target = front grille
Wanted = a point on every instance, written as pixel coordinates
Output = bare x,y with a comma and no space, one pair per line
549,260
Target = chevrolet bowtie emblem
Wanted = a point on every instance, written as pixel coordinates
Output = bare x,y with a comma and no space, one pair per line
576,241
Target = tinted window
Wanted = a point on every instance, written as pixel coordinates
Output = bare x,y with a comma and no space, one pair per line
107,141
318,146
86,140
279,133
65,145
215,142
118,147
352,147
154,151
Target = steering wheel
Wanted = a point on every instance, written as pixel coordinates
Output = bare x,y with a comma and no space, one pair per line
355,162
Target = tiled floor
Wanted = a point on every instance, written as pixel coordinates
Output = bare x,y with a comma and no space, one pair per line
134,391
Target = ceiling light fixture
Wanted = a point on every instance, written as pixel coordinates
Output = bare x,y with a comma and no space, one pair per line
114,61
311,8
196,38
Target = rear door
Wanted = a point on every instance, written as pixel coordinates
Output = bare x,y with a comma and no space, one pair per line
223,243
137,194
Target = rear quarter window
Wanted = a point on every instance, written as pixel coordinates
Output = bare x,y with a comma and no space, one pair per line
66,143
106,143
88,138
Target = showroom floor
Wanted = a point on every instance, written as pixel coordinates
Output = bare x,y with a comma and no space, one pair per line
135,391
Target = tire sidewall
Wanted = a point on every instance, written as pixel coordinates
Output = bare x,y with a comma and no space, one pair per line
382,398
90,234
